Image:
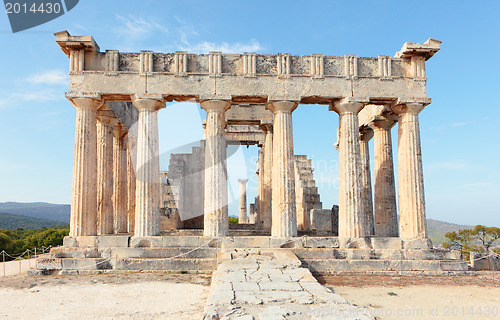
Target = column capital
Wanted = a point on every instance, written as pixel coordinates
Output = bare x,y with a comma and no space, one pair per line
215,105
266,127
148,101
243,181
410,108
119,130
107,117
365,134
382,124
349,105
85,100
281,106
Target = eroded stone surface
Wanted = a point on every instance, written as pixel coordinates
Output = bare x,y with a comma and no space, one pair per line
270,284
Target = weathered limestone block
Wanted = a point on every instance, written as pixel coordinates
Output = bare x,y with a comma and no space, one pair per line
147,199
386,216
120,187
242,216
284,219
105,172
321,220
84,196
306,192
216,198
480,261
335,220
386,243
251,218
412,224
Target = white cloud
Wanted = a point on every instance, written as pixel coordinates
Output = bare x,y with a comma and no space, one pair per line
225,47
137,28
48,77
458,124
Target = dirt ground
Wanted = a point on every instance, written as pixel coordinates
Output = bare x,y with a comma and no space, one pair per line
105,296
422,297
182,296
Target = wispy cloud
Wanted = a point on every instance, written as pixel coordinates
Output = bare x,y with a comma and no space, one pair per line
458,124
137,28
58,77
206,46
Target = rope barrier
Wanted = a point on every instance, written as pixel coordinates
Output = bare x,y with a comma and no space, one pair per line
20,256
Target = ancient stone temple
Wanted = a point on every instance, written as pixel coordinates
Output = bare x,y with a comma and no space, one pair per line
121,199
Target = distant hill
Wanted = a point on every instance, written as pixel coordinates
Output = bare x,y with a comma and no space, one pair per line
13,222
39,210
437,229
61,212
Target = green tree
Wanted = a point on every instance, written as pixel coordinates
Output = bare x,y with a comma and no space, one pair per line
486,237
460,240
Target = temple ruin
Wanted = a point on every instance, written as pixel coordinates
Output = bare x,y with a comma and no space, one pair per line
120,199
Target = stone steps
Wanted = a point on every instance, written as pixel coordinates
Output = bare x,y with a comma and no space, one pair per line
76,265
326,266
374,254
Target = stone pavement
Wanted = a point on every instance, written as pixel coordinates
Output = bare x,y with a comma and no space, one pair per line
270,284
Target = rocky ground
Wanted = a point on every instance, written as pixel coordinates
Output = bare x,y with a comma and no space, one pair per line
422,297
104,296
183,296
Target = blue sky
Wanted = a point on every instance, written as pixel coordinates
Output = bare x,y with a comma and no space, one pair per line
460,145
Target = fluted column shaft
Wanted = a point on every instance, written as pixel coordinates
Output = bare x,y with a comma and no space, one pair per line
105,174
147,195
216,222
83,221
242,214
120,192
366,181
412,224
386,215
284,215
130,190
267,191
351,224
260,186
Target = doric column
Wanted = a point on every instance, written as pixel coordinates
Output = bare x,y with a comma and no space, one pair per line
216,216
120,178
83,220
131,190
260,186
242,216
386,215
147,195
284,215
105,171
366,181
412,224
267,191
351,220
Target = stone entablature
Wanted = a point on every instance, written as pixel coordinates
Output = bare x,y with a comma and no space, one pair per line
247,77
